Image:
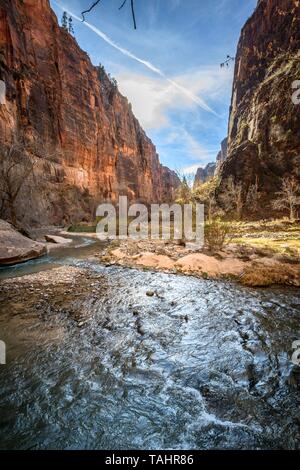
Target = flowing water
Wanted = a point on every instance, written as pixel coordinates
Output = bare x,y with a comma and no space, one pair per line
199,365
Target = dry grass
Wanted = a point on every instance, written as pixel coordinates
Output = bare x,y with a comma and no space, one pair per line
259,275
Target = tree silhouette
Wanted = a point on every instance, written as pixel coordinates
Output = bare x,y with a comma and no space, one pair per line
70,25
227,61
64,21
120,8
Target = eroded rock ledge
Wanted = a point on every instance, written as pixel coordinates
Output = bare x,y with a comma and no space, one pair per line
15,248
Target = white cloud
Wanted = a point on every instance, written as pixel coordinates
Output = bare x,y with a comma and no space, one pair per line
185,91
152,98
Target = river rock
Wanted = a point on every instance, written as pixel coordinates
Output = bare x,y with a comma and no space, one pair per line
58,240
150,293
15,248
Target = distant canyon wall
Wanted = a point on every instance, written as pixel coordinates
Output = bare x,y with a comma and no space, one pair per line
264,126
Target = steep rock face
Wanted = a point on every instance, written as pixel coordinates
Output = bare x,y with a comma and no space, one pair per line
81,132
221,157
264,137
204,174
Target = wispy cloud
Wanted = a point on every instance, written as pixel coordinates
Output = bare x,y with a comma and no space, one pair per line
152,101
188,152
196,99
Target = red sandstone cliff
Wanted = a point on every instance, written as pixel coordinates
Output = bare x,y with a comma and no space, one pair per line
264,127
79,129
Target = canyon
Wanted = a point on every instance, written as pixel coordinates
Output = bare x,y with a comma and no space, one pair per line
85,144
263,134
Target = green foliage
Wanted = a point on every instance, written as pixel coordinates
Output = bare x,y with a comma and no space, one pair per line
184,194
101,72
70,25
105,76
64,21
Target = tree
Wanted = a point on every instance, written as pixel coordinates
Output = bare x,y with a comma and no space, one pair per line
232,197
70,25
227,61
206,194
15,169
289,196
93,5
184,192
253,196
64,21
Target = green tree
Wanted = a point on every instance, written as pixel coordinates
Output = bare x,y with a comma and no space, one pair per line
184,190
64,21
70,25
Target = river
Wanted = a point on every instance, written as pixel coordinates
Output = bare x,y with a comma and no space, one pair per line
200,364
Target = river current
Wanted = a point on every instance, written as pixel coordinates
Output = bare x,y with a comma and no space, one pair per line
199,364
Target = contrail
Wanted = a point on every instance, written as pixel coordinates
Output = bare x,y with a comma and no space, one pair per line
196,99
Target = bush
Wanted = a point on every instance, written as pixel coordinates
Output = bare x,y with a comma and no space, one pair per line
216,234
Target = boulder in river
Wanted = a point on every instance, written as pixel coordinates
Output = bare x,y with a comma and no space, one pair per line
58,240
15,247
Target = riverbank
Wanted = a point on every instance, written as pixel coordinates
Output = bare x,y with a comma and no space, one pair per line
244,263
257,254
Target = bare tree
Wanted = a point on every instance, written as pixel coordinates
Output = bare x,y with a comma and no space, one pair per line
289,196
15,169
232,197
227,61
253,196
96,2
206,194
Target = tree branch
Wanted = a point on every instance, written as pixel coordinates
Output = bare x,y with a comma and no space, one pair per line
89,9
120,8
133,14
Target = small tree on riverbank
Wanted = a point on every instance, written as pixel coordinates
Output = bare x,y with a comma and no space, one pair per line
289,197
205,193
232,197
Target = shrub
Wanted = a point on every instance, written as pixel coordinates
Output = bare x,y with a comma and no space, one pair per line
216,234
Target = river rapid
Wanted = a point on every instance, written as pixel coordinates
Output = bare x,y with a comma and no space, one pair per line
163,362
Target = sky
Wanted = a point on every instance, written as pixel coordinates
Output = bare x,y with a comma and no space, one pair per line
169,68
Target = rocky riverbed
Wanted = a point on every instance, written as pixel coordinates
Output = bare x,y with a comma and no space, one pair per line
110,357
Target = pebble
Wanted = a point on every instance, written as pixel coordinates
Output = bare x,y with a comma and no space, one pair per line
150,293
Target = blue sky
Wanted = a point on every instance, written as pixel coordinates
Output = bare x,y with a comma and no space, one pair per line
180,95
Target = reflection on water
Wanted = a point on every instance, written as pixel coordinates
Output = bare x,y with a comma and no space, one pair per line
201,364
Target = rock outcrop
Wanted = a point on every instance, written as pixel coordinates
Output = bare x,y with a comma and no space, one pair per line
204,174
221,157
15,248
264,137
86,144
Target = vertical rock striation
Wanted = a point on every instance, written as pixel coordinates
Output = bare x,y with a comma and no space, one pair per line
264,137
72,120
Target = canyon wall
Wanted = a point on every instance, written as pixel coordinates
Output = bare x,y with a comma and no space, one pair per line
204,174
71,120
264,127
